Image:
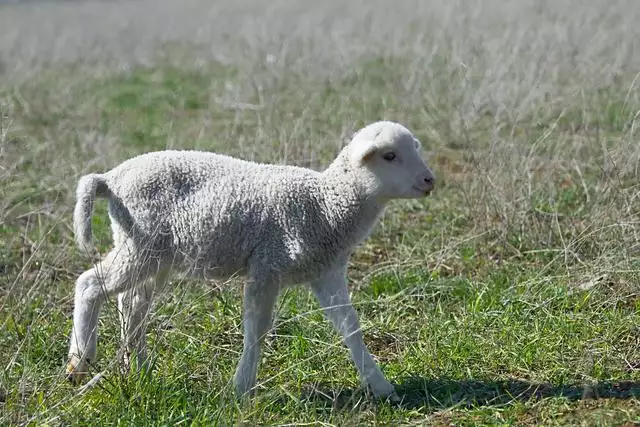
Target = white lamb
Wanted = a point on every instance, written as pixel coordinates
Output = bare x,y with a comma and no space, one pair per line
213,216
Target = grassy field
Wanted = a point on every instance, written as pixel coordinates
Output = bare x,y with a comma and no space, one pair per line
511,296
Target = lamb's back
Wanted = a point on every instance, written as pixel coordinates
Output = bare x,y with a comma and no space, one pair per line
209,206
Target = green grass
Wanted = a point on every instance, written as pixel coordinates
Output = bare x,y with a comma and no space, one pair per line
510,297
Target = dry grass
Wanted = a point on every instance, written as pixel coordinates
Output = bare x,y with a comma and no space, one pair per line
525,261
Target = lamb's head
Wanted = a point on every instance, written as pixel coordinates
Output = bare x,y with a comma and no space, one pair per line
388,156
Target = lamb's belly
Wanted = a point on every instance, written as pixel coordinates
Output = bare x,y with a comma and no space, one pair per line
217,255
215,266
223,259
302,276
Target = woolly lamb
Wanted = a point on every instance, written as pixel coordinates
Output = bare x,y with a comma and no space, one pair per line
212,216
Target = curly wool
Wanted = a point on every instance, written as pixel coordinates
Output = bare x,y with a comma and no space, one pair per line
209,213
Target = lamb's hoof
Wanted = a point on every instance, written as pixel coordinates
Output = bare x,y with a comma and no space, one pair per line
387,392
243,396
76,372
394,398
243,393
388,397
75,378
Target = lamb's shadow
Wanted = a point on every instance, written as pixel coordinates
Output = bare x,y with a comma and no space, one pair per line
435,394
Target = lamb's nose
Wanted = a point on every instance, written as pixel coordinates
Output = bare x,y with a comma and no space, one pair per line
429,179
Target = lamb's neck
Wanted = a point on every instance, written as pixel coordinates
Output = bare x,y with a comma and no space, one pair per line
351,211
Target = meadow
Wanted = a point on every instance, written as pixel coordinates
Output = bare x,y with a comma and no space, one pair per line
511,296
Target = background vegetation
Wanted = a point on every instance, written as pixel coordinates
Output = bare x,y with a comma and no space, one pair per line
511,296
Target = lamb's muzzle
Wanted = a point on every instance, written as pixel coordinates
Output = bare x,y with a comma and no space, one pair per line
425,182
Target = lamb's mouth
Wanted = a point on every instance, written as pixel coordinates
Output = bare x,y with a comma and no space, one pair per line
426,192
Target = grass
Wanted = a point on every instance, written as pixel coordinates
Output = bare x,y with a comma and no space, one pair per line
511,296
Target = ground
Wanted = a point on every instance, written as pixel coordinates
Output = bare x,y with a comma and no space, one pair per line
510,296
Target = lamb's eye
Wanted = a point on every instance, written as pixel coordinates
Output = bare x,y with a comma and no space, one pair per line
389,156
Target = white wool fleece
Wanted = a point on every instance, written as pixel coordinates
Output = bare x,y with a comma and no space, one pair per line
211,213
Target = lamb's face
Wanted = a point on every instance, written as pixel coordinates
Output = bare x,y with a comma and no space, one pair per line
389,156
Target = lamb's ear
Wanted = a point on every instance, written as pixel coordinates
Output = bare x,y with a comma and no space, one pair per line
362,151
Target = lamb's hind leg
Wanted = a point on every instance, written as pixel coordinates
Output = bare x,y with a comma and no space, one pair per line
116,273
134,306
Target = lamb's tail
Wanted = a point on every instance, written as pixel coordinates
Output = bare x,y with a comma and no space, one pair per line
89,187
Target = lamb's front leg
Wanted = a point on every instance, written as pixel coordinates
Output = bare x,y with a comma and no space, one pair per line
332,293
260,293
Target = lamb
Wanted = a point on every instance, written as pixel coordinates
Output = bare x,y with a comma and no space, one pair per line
212,216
